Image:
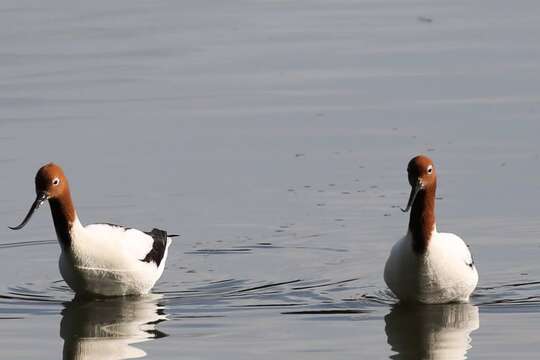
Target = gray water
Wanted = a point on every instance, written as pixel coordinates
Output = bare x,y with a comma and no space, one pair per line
273,136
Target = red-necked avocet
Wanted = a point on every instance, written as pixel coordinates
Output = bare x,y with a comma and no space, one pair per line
427,266
98,259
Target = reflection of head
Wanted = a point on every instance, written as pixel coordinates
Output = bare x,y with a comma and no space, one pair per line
431,331
105,329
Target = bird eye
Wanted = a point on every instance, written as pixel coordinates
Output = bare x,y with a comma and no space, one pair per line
429,169
56,181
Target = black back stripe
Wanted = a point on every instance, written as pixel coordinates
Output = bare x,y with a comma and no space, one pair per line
471,264
118,226
158,247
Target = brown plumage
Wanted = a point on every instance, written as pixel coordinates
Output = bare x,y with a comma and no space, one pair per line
423,181
50,179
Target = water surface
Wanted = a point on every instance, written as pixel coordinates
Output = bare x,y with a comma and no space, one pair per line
274,137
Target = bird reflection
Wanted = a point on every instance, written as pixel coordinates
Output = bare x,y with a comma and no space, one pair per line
107,328
431,331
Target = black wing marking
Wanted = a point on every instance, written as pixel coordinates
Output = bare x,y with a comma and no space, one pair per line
115,225
158,247
471,264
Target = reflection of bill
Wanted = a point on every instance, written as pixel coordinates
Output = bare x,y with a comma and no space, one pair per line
431,331
105,329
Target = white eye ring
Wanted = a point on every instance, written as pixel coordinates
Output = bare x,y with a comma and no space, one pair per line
56,181
430,169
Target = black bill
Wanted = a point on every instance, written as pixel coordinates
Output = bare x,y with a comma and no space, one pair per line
414,191
41,197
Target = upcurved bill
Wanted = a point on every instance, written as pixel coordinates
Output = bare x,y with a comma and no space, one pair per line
414,191
40,198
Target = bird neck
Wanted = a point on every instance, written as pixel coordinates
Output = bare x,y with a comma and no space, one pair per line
422,220
64,216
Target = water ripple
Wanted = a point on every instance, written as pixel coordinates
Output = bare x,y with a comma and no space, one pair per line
322,297
26,243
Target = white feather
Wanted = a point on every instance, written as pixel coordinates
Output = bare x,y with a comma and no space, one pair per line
444,273
107,260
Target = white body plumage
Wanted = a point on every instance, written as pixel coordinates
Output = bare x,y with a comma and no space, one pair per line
444,273
107,260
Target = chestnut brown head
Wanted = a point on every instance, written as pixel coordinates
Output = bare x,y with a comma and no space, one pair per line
422,175
51,183
50,180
